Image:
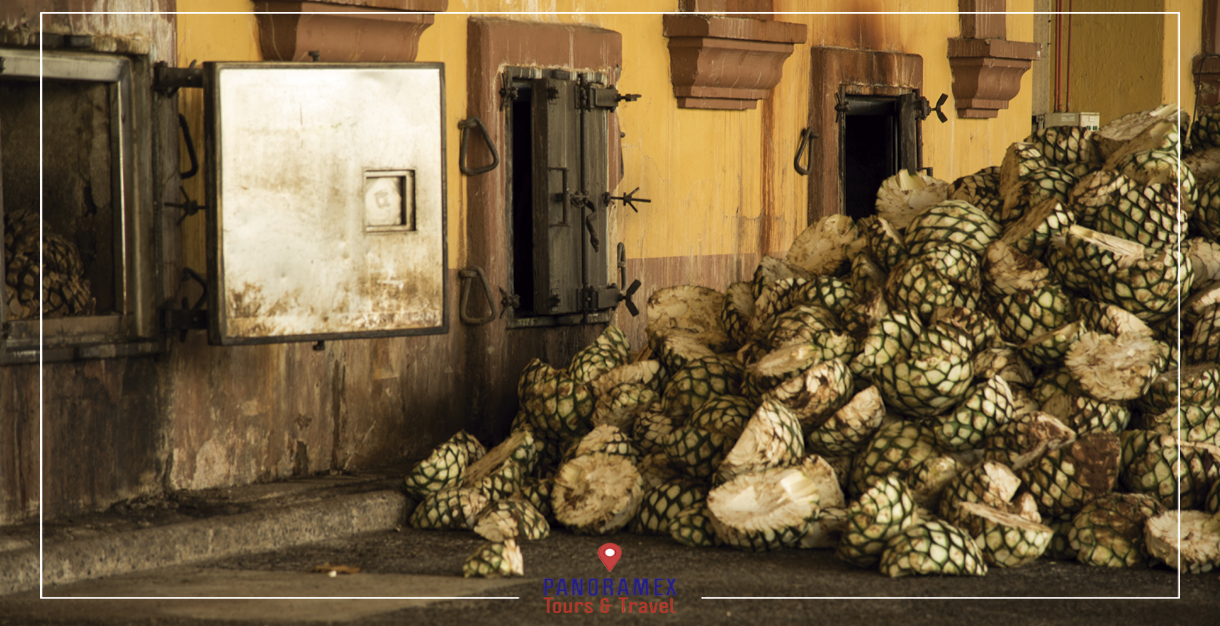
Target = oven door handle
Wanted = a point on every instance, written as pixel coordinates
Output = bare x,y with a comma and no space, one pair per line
466,125
468,275
190,148
804,147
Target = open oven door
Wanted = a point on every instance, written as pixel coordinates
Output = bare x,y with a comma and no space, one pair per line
326,201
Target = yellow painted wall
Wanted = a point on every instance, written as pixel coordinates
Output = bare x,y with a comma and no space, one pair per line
705,170
1183,40
1126,63
208,38
710,173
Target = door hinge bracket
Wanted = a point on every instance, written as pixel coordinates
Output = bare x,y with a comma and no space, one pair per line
168,80
189,316
592,97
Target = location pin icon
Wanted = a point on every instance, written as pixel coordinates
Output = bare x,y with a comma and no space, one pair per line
609,554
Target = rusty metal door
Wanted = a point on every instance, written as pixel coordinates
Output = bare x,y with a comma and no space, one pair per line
910,126
326,201
557,261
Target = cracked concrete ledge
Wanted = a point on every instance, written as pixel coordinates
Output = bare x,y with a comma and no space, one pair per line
183,543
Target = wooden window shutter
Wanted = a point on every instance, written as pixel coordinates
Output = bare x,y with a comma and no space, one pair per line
557,220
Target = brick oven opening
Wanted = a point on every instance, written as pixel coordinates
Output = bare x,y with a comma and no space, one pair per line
521,193
871,146
94,231
866,107
556,155
79,231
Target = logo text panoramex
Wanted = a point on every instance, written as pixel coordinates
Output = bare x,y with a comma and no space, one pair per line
626,595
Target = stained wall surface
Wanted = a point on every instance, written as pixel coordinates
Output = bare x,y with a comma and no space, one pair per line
1122,63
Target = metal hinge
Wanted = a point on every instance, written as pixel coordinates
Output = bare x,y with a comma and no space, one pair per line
508,92
842,107
189,316
508,301
167,80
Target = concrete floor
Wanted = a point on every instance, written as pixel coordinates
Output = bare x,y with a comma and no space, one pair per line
427,565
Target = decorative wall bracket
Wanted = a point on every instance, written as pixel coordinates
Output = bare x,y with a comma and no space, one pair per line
987,73
343,30
986,67
720,62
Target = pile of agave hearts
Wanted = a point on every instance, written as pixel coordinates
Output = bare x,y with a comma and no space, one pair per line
985,373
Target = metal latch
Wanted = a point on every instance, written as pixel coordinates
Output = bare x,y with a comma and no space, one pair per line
628,198
608,297
189,207
468,275
622,277
583,200
167,80
604,98
192,317
926,109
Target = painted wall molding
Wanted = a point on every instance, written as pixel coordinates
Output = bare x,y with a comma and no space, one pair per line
343,30
730,63
986,68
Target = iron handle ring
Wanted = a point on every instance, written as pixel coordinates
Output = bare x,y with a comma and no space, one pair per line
467,275
465,125
806,147
190,148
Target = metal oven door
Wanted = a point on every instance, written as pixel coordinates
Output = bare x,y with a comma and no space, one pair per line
326,201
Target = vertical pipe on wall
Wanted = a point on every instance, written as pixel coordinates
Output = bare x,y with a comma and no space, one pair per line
1067,82
1058,50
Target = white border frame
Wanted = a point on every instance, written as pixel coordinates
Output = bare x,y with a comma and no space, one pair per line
41,390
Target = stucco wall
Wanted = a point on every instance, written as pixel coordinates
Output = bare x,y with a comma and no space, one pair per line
1183,40
1126,63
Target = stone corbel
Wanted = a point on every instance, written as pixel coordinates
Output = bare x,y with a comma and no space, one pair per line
987,73
986,68
343,30
721,62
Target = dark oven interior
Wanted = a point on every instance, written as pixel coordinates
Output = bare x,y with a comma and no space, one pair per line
871,149
79,223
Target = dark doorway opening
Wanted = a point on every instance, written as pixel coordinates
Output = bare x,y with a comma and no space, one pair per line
79,231
871,146
519,161
556,126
